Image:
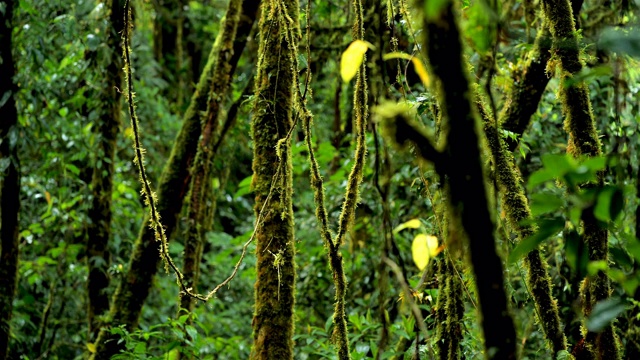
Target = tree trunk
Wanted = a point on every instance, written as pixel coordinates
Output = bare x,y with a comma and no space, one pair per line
583,141
272,180
221,80
9,178
99,230
516,206
466,179
134,288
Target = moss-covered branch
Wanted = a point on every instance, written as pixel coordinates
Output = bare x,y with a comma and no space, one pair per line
517,210
530,83
333,244
583,141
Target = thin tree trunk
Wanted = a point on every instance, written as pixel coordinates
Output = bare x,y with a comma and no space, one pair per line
99,230
583,141
271,127
9,178
134,288
201,167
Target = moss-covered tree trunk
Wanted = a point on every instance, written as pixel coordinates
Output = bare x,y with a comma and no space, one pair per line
527,91
583,141
276,89
468,197
99,230
134,288
516,206
221,80
9,178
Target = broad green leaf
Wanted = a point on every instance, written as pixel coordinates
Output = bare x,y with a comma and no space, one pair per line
423,248
604,312
539,177
244,187
411,224
546,229
352,58
558,165
609,204
91,347
545,203
596,266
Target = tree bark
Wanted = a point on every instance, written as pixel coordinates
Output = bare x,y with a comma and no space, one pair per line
272,122
9,178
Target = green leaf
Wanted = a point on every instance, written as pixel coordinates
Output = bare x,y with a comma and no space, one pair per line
244,187
604,312
609,204
545,203
558,165
546,229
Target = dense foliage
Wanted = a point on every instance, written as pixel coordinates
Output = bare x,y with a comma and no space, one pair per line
391,165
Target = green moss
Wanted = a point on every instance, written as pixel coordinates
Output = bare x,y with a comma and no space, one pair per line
583,141
517,213
468,195
271,127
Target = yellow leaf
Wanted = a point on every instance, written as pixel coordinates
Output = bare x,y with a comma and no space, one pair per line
423,248
421,71
411,224
91,347
47,196
418,66
352,59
